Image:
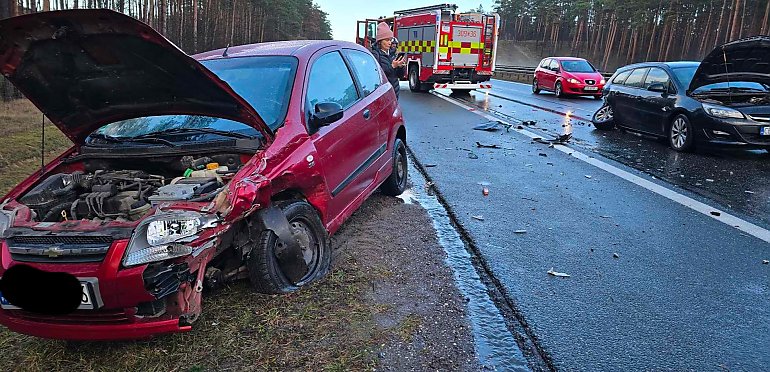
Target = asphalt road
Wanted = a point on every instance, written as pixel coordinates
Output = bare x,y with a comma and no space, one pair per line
653,284
736,179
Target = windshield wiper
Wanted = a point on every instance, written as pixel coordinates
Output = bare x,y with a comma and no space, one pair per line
132,139
196,130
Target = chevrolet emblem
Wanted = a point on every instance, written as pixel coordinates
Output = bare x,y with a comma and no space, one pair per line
53,252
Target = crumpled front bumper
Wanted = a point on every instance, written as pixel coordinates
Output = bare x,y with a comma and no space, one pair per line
61,328
122,290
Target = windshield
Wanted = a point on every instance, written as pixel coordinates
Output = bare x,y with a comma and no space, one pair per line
684,74
577,66
264,82
734,86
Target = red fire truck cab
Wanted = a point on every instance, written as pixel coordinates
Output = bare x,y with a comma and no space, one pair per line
444,49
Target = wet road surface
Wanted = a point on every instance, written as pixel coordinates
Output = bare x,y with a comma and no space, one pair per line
653,284
738,180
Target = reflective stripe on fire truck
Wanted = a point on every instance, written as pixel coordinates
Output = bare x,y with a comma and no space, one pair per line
417,46
462,47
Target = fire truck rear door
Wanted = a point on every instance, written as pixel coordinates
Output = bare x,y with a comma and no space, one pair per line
466,45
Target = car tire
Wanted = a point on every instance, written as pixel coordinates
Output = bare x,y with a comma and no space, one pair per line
263,268
395,184
558,90
535,87
681,134
414,80
604,118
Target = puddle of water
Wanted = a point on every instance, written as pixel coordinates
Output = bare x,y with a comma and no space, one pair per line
495,346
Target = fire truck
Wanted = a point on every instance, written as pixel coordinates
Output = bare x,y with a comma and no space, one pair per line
444,48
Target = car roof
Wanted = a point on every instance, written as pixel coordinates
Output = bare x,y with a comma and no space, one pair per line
672,64
567,58
300,48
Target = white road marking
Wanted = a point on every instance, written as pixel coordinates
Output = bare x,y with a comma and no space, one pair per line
715,213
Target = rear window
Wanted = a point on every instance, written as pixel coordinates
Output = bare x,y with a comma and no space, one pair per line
621,77
656,76
636,78
577,66
553,65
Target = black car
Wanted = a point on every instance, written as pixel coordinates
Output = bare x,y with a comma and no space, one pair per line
723,100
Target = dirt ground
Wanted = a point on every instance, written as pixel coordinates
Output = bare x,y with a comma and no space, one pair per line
398,241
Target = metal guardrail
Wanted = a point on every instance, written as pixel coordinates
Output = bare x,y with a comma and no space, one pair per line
529,70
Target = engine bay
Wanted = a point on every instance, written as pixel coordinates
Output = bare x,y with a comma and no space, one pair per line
735,99
126,189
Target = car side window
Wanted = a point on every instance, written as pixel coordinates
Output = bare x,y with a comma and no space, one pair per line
621,77
544,63
554,65
636,78
366,69
656,76
330,81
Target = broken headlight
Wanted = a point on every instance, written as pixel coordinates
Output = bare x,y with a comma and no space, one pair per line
163,236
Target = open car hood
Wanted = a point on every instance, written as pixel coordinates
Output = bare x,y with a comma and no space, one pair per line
87,68
741,60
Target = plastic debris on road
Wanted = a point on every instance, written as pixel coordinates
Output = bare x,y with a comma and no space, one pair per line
492,146
520,231
765,262
558,274
479,217
615,255
485,191
589,177
472,155
492,126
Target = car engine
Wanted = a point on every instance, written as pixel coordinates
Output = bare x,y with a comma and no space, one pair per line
736,99
126,195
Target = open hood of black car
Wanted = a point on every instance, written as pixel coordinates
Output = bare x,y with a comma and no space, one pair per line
87,68
741,60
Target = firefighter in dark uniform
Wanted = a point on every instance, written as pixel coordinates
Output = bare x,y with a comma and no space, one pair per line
392,67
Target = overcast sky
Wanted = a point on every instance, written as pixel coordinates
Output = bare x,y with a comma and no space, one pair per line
343,14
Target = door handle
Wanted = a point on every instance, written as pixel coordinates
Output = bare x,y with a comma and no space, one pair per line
367,114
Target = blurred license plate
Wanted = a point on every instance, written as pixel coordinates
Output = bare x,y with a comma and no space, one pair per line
765,131
86,300
592,88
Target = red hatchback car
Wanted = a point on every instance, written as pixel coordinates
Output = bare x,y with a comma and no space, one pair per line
186,171
568,76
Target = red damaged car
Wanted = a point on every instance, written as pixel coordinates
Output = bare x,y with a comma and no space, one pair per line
186,172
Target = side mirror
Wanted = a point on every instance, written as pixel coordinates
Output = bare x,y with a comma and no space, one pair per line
326,113
657,87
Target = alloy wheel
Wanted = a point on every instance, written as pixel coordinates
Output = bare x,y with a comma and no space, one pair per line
604,114
678,133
